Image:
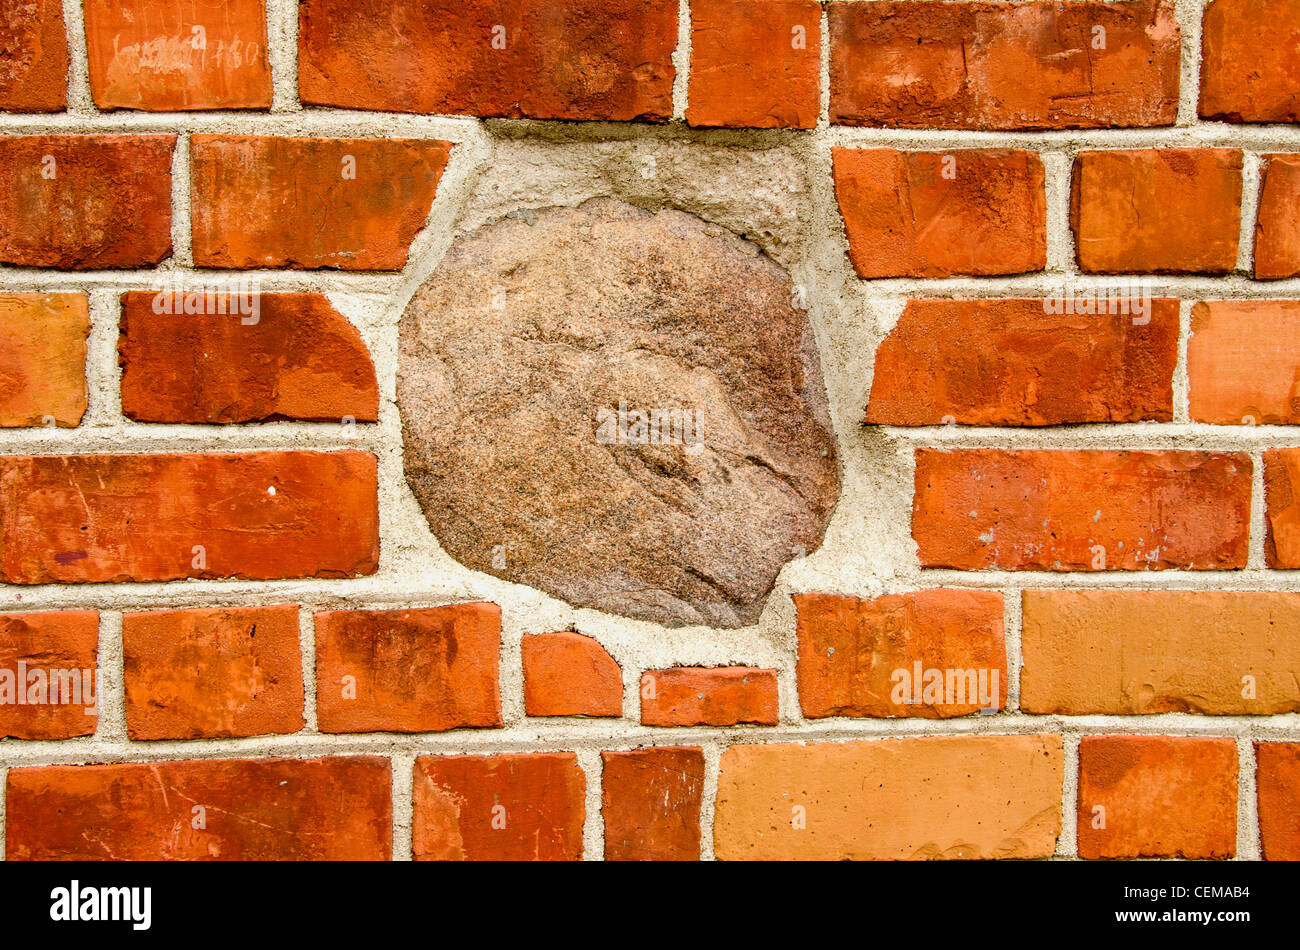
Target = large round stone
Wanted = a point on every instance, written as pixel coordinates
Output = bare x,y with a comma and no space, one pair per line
621,408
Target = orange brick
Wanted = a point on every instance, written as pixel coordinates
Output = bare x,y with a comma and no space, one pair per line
1277,779
1121,652
880,657
891,799
1282,508
1243,362
34,71
1277,225
303,203
1157,210
1157,797
651,804
49,685
43,359
936,214
1003,65
567,674
1081,511
292,356
257,515
408,670
755,63
207,674
499,807
177,55
722,696
1011,363
85,202
1249,71
330,809
538,59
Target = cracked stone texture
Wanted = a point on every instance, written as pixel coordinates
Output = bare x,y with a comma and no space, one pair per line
533,324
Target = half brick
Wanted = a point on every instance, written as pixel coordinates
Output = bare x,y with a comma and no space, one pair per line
424,670
931,654
498,807
242,358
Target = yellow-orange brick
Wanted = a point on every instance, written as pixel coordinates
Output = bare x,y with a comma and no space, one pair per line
1092,652
939,797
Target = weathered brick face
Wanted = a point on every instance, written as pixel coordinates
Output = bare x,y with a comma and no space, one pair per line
662,430
212,673
1157,211
34,75
755,64
351,204
923,64
590,59
44,339
85,202
1157,797
175,56
931,214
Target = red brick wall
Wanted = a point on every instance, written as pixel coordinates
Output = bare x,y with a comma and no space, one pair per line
1051,255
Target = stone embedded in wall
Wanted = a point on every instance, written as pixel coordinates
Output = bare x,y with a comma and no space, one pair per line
622,408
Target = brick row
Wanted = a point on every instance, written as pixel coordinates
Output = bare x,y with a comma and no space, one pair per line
938,653
983,212
988,796
754,63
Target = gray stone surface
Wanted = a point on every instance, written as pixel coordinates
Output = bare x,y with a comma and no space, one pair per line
535,329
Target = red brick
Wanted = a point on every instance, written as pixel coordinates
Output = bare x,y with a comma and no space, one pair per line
651,804
43,359
1129,652
330,809
904,218
941,797
1010,363
1165,211
1249,68
1003,65
292,357
287,202
581,59
1243,361
257,515
1081,511
85,202
499,807
1282,508
64,646
1161,797
208,674
722,696
851,651
1277,225
567,674
755,63
177,55
1277,778
34,67
422,670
